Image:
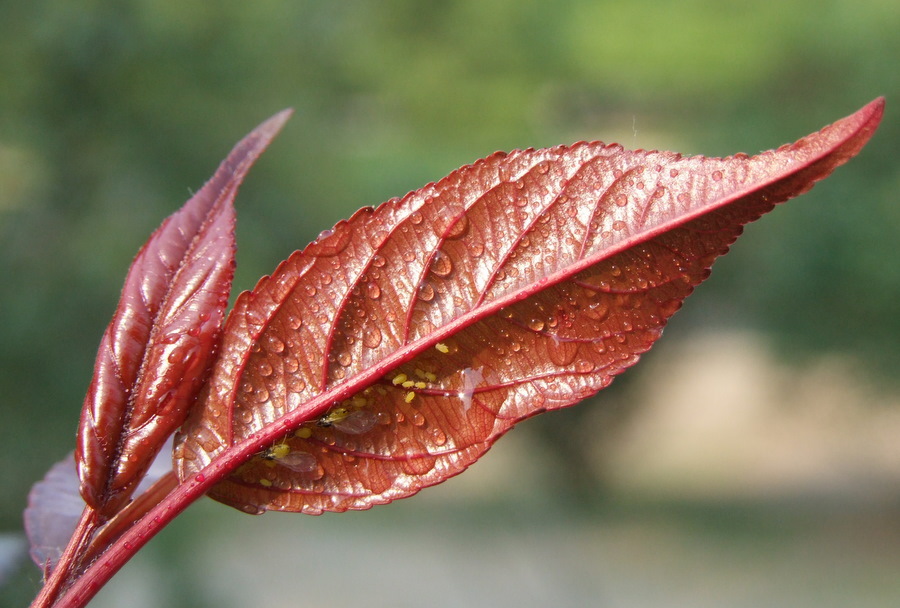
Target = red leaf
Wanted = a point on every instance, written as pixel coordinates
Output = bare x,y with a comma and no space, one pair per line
392,352
55,506
158,348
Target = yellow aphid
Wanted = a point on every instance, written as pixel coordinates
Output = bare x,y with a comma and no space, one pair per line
399,379
420,373
265,482
410,396
430,377
442,347
335,415
359,401
303,432
277,451
408,384
421,385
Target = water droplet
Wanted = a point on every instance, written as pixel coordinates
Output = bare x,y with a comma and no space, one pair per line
199,478
562,353
310,290
416,218
618,225
326,279
417,418
717,176
426,292
682,198
378,261
438,436
673,172
372,337
332,242
409,256
261,396
344,359
373,291
276,345
459,228
536,325
441,265
476,249
246,416
265,370
584,367
598,310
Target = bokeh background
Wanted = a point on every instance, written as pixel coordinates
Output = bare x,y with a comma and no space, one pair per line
751,459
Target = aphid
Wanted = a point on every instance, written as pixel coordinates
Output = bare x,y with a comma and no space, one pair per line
277,451
281,454
356,422
399,379
353,422
335,415
299,462
442,347
410,396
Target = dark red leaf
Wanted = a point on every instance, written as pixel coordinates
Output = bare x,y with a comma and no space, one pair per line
392,352
55,506
158,348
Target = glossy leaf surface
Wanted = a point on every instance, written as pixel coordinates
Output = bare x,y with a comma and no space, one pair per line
392,352
157,350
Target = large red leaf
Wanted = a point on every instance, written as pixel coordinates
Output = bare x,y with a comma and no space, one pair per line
158,348
392,352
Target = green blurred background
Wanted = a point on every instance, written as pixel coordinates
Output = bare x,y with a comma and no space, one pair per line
111,113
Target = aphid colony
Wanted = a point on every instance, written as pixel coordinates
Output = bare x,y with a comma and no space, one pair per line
353,416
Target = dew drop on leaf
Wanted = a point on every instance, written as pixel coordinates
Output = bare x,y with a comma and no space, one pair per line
442,265
536,325
426,292
372,337
459,228
332,242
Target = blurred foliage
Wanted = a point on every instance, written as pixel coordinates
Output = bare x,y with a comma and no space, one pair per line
111,112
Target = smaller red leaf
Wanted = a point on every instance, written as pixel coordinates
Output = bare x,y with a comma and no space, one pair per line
54,506
157,350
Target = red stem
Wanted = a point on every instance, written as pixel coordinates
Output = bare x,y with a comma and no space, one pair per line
89,582
71,559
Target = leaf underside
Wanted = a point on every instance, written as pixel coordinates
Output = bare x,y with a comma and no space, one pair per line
393,351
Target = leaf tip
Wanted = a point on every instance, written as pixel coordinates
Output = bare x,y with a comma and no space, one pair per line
271,126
